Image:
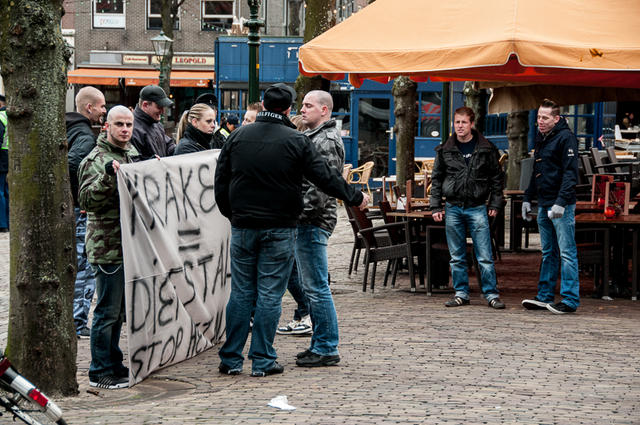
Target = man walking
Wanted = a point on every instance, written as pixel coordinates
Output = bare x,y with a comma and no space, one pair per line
149,137
90,107
318,219
553,183
4,166
98,195
467,174
258,186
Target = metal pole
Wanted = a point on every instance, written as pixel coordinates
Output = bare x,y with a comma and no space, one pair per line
254,25
445,110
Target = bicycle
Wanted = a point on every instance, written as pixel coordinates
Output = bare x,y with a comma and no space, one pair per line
23,400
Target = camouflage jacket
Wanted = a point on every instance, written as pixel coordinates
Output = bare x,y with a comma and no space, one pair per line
98,195
320,209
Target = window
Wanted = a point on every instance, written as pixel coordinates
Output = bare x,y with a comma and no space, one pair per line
429,114
154,16
342,111
108,14
217,15
581,120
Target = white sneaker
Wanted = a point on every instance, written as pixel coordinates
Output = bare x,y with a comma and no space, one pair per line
286,330
302,327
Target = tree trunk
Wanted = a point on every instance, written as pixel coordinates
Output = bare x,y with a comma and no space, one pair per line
517,131
476,99
319,17
169,13
405,97
33,56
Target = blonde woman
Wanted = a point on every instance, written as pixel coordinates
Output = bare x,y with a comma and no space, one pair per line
195,129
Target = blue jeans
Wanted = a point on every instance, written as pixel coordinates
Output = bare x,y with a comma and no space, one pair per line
108,316
261,262
295,289
558,241
311,256
85,281
4,201
458,221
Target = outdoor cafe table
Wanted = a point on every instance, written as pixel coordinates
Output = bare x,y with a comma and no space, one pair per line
632,222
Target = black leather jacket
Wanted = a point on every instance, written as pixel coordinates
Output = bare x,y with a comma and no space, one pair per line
467,185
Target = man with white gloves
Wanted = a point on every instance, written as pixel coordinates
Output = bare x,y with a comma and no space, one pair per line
553,181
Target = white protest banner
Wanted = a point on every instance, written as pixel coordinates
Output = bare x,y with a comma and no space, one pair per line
176,256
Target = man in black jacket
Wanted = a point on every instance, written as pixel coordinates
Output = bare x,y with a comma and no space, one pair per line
466,173
258,186
553,183
90,105
149,137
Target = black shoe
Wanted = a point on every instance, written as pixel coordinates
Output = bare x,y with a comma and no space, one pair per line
303,354
534,304
456,302
316,360
560,308
496,303
121,371
85,333
273,370
226,370
109,382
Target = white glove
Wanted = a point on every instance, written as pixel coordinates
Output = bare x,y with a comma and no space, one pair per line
526,209
556,211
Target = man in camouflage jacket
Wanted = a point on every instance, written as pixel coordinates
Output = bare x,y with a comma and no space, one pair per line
98,195
316,224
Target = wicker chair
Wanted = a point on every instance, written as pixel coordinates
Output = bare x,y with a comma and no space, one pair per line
361,176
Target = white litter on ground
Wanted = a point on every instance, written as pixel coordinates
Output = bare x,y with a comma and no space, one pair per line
281,402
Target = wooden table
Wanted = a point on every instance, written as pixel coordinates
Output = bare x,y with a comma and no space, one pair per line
632,222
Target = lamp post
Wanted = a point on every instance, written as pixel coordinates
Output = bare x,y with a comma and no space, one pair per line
254,25
162,46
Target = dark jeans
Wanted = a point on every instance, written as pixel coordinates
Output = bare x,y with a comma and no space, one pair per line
108,316
295,289
261,261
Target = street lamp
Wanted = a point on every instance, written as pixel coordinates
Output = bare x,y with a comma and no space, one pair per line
254,25
162,47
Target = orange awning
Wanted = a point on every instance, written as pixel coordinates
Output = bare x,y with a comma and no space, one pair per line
568,42
138,77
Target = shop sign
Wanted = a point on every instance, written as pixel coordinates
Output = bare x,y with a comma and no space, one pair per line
189,60
108,21
135,59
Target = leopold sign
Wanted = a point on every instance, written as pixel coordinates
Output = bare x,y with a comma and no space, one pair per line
189,60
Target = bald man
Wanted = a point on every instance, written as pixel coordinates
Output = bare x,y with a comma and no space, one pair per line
81,139
98,195
315,225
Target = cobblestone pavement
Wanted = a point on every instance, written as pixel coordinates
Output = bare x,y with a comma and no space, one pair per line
405,359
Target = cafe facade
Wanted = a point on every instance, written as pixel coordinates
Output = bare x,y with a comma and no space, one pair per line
365,114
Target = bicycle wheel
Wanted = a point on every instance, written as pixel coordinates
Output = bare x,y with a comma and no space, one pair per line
24,409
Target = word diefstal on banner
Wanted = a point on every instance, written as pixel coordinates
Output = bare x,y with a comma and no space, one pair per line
176,257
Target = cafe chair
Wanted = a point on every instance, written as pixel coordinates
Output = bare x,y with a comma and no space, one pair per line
626,171
594,249
361,176
346,169
358,242
416,237
437,260
399,248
